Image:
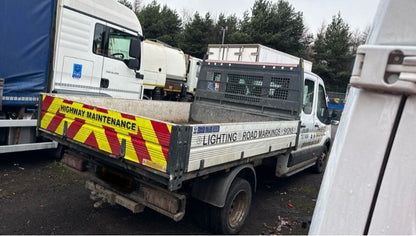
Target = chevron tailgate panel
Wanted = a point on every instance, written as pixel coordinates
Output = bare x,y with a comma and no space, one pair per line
147,141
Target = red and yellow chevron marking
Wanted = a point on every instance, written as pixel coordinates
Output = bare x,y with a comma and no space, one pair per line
147,141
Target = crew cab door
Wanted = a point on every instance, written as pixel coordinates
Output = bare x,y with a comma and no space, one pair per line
78,63
307,116
117,80
314,115
322,119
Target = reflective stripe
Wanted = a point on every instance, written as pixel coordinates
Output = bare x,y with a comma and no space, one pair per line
147,141
15,98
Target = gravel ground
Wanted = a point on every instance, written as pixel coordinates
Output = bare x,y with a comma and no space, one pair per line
39,195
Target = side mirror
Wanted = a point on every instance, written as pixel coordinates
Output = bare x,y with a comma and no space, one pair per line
334,122
133,64
139,76
135,48
135,52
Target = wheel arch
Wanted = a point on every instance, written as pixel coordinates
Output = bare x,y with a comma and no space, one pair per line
214,190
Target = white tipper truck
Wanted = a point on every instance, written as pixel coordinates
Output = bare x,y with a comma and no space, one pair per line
169,73
369,185
88,47
160,154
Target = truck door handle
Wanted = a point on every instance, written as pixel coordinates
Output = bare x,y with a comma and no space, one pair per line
317,126
303,126
104,83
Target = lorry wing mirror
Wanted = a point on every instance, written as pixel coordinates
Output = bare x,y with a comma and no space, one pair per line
135,48
135,52
133,64
334,122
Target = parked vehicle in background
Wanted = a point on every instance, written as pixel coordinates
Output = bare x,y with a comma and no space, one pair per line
336,102
192,74
86,47
169,73
252,53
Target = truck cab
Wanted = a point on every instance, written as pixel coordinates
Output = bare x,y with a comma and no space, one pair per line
97,51
278,96
314,139
192,73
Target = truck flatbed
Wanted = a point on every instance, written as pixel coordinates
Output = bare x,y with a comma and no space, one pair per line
184,141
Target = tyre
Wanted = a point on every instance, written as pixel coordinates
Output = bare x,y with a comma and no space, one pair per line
230,218
321,161
58,153
187,98
145,97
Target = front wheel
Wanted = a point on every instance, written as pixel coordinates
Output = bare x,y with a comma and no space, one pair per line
230,218
321,161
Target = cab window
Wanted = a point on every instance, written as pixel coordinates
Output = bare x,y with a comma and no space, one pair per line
111,42
119,44
322,111
308,95
99,43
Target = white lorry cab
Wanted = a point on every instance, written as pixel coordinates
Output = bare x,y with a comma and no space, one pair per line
88,47
193,67
97,50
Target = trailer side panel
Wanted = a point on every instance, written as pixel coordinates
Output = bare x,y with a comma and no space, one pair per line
25,49
217,144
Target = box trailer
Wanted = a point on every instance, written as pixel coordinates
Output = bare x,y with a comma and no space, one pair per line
252,53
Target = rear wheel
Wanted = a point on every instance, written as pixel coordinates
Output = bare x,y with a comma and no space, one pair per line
58,153
230,218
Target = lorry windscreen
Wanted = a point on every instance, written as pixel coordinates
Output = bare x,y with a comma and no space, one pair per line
111,42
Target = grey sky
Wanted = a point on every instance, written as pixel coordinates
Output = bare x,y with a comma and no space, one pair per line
357,13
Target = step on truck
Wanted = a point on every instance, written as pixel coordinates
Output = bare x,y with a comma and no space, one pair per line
62,46
244,115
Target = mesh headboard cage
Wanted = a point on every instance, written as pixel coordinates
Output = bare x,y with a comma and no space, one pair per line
267,89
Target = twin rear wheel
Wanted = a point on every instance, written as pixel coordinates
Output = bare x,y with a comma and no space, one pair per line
230,218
